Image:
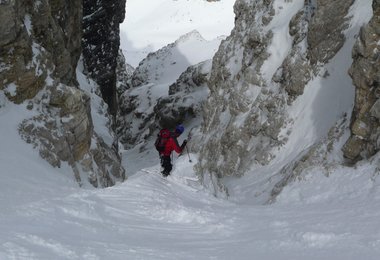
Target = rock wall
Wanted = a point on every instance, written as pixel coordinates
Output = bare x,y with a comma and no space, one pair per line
365,72
36,37
317,31
239,93
40,45
101,41
246,109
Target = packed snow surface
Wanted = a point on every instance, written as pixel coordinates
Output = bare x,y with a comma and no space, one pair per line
150,217
45,215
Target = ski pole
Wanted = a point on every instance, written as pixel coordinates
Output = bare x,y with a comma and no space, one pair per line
187,150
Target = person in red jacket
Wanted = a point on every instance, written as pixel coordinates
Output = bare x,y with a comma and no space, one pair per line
171,145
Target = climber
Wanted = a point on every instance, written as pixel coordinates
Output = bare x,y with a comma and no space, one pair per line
166,142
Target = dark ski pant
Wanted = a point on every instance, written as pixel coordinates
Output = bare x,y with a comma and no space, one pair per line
166,163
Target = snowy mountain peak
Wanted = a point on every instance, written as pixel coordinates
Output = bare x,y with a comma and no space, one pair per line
165,65
194,34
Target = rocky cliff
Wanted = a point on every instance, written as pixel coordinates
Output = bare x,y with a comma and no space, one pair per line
365,72
40,45
257,75
37,39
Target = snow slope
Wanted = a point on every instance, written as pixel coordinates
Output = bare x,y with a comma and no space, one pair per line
25,177
149,217
150,25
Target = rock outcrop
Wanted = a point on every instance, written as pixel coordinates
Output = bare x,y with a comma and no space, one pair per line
365,72
40,45
101,41
37,39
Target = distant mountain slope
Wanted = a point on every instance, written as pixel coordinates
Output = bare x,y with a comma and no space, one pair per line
166,65
151,25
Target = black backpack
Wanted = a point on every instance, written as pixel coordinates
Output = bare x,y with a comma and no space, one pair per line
162,138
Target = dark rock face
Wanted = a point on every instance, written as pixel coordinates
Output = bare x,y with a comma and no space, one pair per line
67,44
101,41
325,36
365,72
57,47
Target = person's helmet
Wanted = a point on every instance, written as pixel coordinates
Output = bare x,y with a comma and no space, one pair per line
179,129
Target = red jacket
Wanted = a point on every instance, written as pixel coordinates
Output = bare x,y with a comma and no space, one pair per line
171,145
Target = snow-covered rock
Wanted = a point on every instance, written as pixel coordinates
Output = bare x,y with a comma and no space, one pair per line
245,112
124,73
167,88
40,49
266,76
167,64
38,39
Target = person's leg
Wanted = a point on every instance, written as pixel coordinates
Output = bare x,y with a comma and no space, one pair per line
162,161
167,164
